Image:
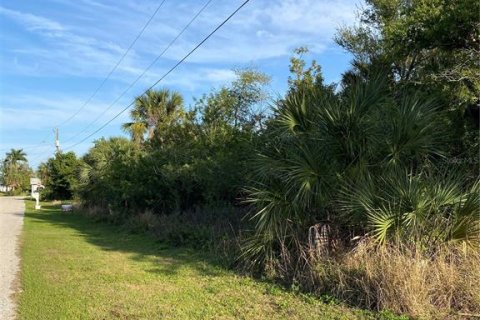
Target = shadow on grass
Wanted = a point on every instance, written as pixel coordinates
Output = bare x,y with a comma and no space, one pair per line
161,259
166,260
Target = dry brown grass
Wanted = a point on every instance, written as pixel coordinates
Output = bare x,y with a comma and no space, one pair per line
89,211
144,221
404,280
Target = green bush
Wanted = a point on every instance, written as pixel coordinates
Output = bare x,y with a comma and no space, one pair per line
60,176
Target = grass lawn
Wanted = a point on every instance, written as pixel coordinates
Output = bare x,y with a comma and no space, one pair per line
73,268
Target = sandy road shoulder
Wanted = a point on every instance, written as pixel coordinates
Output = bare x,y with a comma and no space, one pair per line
12,210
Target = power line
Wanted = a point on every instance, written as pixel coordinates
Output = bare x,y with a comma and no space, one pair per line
30,148
42,154
167,73
42,142
111,71
144,71
115,67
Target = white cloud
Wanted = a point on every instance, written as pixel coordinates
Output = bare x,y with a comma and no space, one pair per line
310,16
265,30
80,41
32,22
262,30
192,77
219,75
62,52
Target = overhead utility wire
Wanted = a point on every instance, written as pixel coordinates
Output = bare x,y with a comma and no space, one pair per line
111,71
42,154
40,145
144,71
167,73
115,67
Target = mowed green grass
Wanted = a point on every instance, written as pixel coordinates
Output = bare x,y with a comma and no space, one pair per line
74,268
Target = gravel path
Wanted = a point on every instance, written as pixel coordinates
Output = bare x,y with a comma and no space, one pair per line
11,220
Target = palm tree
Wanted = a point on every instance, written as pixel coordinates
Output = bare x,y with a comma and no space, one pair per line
152,110
15,156
12,165
136,129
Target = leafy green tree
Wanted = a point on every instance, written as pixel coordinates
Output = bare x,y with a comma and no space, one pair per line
302,77
178,166
432,42
109,174
63,176
249,94
215,138
429,46
241,105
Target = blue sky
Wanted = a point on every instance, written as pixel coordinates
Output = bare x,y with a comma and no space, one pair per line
55,53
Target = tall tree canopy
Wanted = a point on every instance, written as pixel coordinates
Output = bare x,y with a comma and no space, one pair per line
430,47
431,44
62,175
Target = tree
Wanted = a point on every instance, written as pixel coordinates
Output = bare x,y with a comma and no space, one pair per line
16,172
361,159
248,93
179,164
15,156
239,105
109,174
303,78
429,46
42,172
429,43
152,112
63,175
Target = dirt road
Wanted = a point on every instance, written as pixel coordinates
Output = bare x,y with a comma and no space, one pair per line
11,220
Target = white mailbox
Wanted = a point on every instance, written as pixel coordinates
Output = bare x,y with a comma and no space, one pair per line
36,186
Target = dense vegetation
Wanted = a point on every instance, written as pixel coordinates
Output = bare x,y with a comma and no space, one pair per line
335,188
108,273
59,175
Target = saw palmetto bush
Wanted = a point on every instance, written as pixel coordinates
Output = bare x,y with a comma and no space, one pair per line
427,209
363,161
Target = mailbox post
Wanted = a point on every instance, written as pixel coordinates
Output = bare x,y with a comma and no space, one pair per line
36,186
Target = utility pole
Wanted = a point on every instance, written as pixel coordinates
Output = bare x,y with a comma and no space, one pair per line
57,141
